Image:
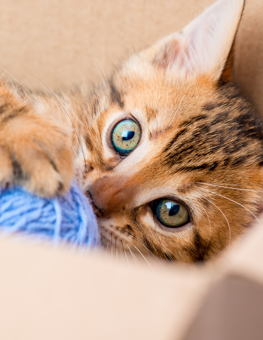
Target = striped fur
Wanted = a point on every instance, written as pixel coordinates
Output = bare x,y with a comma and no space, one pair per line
201,143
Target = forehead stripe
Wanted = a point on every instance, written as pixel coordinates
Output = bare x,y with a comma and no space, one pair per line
115,95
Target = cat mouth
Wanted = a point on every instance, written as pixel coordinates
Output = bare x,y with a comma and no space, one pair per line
98,212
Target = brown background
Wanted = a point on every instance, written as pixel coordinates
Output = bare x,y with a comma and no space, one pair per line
64,42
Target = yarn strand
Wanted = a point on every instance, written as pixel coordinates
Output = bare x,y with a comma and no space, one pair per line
64,219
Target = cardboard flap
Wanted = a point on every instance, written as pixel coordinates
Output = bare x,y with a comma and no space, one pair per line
232,310
245,257
233,306
63,294
63,43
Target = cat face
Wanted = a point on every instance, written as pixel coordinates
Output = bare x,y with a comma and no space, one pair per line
174,153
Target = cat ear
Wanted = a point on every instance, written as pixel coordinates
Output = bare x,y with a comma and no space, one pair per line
204,45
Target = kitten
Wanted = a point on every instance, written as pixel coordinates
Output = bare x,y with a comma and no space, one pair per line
167,150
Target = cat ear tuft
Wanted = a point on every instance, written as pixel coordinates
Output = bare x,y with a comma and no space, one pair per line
204,45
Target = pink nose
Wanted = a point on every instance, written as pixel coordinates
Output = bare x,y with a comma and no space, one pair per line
110,195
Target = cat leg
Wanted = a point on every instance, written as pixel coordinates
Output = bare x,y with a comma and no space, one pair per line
34,151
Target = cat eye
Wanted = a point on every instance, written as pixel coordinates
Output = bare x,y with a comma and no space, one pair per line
170,213
125,136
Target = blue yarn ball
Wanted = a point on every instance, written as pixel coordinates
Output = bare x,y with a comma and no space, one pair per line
64,219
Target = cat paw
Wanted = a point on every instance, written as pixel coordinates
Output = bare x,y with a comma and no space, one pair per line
36,154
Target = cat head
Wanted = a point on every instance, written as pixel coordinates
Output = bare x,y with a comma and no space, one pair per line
173,153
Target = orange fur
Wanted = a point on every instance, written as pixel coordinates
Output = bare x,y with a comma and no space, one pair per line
200,144
34,152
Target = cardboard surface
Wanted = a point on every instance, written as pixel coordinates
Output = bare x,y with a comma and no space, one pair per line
58,294
232,309
64,42
61,294
245,257
249,54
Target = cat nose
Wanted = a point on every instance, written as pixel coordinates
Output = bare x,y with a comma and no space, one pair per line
109,195
98,212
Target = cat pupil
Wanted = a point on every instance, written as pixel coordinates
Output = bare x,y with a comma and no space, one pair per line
173,210
127,135
170,214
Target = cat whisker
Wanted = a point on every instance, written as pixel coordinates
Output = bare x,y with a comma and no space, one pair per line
133,256
58,98
233,202
100,70
23,87
144,258
2,76
111,243
222,214
116,249
210,231
229,187
144,246
116,231
125,253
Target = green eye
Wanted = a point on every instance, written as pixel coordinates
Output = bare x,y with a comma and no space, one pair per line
170,213
125,136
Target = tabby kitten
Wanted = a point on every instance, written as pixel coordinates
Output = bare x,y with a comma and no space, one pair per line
167,150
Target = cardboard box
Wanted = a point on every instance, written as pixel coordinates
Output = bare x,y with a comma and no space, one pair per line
56,294
48,293
64,42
